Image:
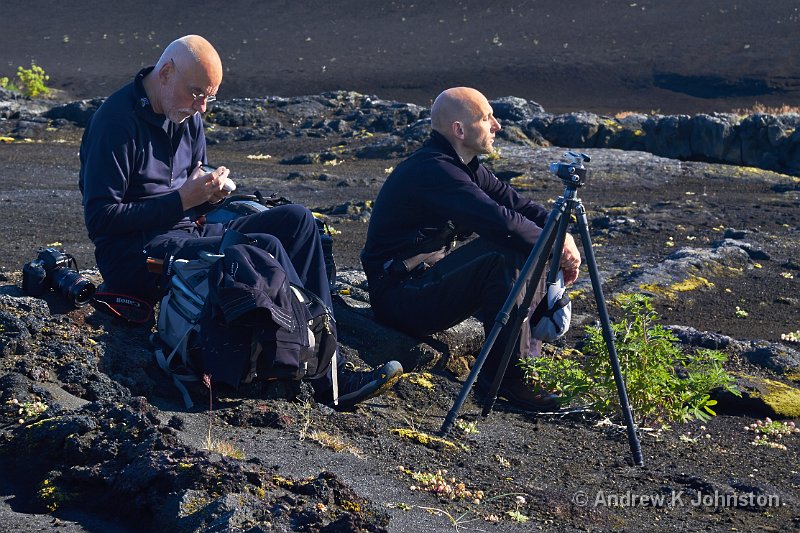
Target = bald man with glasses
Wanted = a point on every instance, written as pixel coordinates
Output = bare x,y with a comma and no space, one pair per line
144,189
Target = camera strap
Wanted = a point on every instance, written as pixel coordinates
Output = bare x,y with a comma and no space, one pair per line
128,308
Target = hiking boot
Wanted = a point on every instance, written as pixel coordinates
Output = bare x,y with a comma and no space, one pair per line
515,391
355,386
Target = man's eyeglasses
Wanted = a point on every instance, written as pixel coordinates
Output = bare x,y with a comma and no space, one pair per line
199,96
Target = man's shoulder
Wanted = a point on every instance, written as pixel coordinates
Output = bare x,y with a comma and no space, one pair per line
120,103
117,114
429,157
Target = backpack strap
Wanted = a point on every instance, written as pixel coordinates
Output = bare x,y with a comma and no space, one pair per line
178,378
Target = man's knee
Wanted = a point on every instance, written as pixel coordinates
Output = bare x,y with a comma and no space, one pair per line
293,215
267,242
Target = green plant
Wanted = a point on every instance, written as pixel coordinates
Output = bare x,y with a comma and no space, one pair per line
793,336
768,432
27,410
516,515
467,427
29,81
439,484
663,382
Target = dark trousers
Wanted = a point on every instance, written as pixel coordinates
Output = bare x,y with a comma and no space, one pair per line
288,232
474,279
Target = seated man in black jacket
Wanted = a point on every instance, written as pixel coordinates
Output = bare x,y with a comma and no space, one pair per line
418,282
143,190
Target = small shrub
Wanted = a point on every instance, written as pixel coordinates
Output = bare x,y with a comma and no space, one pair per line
29,81
663,383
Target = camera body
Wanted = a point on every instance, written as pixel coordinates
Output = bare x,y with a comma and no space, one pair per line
56,269
571,169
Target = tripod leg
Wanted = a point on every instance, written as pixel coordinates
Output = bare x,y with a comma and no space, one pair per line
633,439
503,315
551,240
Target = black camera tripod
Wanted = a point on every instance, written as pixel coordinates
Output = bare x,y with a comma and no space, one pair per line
573,175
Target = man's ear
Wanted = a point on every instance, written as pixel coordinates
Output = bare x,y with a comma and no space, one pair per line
458,130
166,71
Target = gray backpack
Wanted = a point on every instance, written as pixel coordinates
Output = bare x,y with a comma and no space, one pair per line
193,335
179,321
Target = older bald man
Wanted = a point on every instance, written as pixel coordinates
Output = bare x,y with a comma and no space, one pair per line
144,190
420,279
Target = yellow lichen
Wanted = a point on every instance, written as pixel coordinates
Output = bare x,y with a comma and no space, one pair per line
351,507
421,379
51,495
423,438
283,482
612,124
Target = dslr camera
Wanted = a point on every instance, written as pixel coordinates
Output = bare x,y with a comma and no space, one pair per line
58,270
571,169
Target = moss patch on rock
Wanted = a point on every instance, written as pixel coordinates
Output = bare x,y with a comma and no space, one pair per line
776,398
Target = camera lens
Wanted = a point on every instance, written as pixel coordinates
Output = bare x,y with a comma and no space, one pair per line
73,286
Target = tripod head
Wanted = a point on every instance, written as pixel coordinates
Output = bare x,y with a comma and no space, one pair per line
571,169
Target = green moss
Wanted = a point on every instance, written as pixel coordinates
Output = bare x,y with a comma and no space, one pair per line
782,399
194,505
671,291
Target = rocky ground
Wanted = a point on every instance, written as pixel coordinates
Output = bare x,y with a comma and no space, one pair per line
111,447
103,442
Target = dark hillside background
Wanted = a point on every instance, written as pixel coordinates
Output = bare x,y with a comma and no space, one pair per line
600,56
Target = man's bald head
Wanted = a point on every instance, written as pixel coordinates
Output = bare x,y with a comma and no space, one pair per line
456,104
465,118
195,56
185,79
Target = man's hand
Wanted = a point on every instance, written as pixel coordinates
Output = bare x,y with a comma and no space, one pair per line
570,260
204,187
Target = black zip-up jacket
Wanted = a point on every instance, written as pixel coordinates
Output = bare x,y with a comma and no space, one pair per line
432,188
133,161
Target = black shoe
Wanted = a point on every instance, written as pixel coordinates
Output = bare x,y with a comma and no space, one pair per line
520,394
355,386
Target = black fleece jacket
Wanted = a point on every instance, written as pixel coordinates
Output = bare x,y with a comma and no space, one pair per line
433,187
